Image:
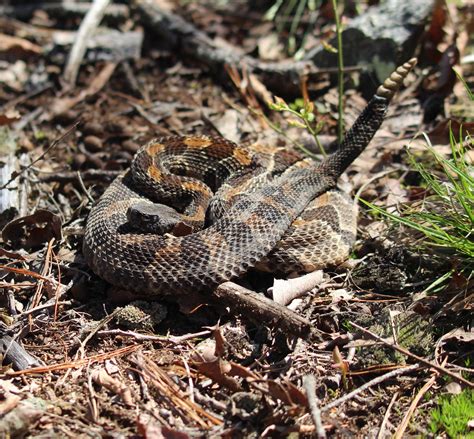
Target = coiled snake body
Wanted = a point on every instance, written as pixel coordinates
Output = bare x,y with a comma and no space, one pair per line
265,207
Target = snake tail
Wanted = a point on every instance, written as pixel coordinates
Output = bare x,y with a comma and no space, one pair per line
367,124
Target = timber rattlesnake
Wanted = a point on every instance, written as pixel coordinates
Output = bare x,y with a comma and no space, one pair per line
267,208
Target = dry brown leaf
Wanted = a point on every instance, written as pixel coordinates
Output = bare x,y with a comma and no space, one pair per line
218,371
18,47
33,230
287,392
103,378
9,117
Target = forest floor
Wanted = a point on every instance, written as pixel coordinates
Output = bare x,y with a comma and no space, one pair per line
390,330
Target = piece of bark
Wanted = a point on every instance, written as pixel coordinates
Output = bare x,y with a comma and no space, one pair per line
16,355
181,36
257,307
104,45
65,9
13,193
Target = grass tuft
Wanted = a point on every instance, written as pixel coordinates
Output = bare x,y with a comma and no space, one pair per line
453,414
446,215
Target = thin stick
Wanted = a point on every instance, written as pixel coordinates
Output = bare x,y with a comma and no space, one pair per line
340,74
369,384
380,435
406,419
86,29
77,363
158,338
309,384
83,187
441,369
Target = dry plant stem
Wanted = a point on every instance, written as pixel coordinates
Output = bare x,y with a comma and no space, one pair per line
88,26
44,272
340,74
88,175
103,322
78,363
83,187
168,389
158,338
369,384
257,307
381,433
93,409
55,143
49,304
406,419
309,384
435,366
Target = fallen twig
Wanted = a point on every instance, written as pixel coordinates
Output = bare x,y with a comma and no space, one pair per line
78,363
145,337
63,104
88,26
381,433
283,76
406,419
369,384
88,175
250,304
309,384
404,351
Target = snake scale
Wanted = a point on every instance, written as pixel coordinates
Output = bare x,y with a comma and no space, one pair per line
267,208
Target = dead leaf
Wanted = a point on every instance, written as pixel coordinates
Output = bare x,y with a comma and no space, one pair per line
341,294
33,230
269,47
17,47
218,371
287,392
103,378
9,117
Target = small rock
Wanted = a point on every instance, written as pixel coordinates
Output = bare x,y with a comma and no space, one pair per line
93,143
79,160
92,128
130,146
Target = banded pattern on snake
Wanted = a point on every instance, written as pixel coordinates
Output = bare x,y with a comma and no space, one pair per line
267,208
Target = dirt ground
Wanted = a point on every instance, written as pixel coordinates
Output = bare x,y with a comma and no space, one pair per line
379,350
